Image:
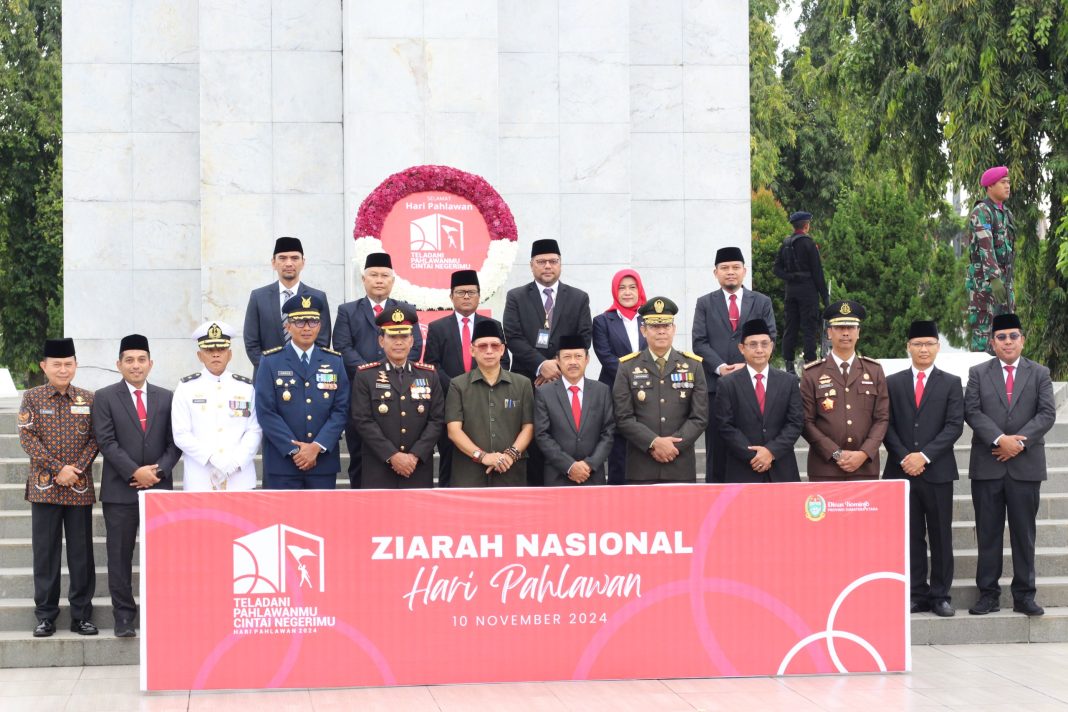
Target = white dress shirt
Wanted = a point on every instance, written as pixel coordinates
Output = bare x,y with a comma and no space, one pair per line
631,325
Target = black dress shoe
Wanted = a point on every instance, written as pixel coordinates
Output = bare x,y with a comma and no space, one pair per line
125,631
918,607
984,605
1028,608
943,609
83,627
44,629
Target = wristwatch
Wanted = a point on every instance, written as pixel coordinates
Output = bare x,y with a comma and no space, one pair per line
477,456
836,455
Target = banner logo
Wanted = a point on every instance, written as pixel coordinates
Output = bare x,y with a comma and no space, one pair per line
277,559
437,233
815,508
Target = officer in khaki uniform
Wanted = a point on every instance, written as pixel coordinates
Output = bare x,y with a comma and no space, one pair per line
661,402
213,418
397,407
847,406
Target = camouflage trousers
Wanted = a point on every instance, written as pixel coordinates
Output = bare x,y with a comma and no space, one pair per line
982,308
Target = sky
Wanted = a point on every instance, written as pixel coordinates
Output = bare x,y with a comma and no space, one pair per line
785,22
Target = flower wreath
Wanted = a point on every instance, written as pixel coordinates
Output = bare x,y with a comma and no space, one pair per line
418,179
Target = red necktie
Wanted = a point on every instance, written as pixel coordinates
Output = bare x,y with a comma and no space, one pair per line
465,344
919,388
732,312
142,414
1008,383
760,391
576,407
377,308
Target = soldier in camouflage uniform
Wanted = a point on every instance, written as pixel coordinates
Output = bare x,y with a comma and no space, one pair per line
991,253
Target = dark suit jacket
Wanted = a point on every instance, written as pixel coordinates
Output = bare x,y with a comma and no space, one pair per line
263,320
988,412
444,350
126,447
524,317
562,445
610,341
741,424
356,334
713,339
932,429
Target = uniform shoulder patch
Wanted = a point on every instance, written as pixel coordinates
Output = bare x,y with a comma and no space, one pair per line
628,357
243,379
372,364
190,377
424,366
695,357
871,360
330,351
810,364
275,350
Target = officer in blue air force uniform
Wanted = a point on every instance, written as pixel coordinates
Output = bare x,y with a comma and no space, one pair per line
302,403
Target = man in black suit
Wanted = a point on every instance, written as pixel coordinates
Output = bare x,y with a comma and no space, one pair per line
356,337
717,331
132,422
926,418
448,347
1009,405
264,320
759,414
536,315
574,423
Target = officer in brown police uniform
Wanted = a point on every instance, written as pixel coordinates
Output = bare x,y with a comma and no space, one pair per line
398,407
847,406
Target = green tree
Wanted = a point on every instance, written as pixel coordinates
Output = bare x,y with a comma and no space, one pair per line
31,203
771,123
769,227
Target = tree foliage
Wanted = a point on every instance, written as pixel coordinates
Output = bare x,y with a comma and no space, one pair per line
769,227
771,123
31,203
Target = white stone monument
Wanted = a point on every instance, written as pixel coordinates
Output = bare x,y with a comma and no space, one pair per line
197,131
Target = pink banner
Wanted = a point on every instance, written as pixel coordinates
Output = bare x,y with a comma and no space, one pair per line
341,588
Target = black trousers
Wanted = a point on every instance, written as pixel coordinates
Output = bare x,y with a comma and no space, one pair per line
617,461
48,522
445,451
352,437
993,499
121,521
802,313
715,449
930,520
535,466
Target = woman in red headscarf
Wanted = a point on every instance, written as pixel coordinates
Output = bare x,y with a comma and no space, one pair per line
616,334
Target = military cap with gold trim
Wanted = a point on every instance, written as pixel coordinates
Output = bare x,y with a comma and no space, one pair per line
658,310
397,320
303,306
844,313
213,335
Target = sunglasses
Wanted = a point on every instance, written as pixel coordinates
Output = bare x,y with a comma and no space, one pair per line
1014,336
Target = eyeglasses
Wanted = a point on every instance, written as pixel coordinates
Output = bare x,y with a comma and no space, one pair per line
758,344
923,344
488,347
550,262
1014,336
465,293
302,323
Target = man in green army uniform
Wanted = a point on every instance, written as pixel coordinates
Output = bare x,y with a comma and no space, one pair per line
661,402
991,252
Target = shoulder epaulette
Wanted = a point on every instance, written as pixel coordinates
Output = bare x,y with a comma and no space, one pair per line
330,351
695,357
628,357
275,350
372,364
870,360
424,366
810,364
243,379
190,377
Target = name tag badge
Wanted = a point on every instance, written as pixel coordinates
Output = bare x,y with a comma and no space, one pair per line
79,409
47,411
543,339
284,373
200,400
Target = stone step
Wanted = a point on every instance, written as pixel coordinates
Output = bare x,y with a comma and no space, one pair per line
1050,532
66,649
1051,505
1049,561
16,614
18,551
1001,627
16,582
1052,591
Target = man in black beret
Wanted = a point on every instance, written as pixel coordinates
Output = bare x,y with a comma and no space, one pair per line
132,422
1009,405
574,422
264,321
717,333
356,336
926,418
798,264
55,430
536,315
448,347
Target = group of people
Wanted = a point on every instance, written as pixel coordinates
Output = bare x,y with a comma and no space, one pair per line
509,404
